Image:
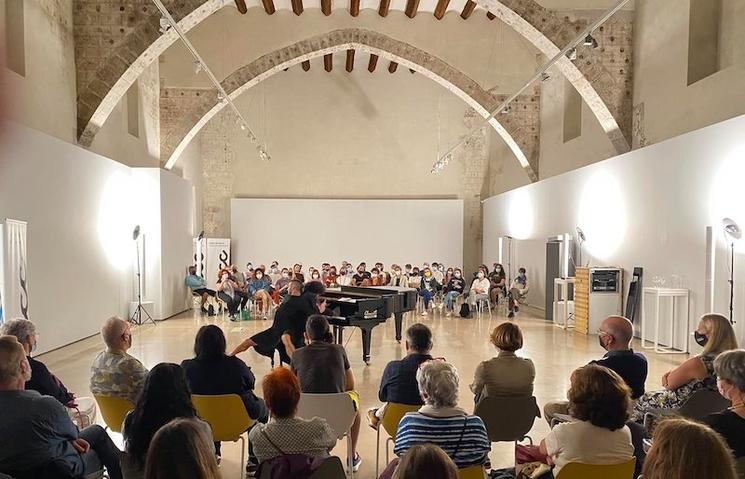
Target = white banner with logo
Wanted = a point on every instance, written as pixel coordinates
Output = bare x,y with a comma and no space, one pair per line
13,285
218,257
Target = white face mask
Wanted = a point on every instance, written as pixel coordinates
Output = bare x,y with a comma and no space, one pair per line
481,275
285,275
457,274
258,276
722,391
225,277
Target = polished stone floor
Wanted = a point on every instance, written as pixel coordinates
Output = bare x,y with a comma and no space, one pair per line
464,343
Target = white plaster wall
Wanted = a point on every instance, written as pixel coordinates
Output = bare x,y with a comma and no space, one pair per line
654,203
313,231
190,168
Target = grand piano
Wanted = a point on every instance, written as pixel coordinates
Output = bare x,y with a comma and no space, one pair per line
365,308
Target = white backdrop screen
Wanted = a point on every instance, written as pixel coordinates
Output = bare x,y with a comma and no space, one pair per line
313,231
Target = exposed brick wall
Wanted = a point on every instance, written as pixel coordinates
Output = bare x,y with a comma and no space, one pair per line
218,156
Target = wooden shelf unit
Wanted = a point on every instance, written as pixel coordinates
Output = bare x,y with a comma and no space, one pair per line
582,300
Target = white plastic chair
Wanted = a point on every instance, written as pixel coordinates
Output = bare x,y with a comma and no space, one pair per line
338,410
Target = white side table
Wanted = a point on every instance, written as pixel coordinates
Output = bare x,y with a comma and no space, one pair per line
561,290
657,294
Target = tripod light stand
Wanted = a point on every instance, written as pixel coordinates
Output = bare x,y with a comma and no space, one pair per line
732,232
140,315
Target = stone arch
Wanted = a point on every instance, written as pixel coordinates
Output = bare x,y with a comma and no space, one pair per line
187,125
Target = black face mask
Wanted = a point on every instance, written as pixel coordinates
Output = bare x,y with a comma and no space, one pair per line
600,340
701,339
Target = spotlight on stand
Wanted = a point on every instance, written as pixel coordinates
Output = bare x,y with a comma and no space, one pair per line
732,233
137,317
582,238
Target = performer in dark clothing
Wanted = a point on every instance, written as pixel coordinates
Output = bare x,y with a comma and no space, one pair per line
286,333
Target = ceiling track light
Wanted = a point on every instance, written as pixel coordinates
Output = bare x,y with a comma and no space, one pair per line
538,75
167,23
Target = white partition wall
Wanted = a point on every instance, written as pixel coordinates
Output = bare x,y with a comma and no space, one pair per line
312,231
647,208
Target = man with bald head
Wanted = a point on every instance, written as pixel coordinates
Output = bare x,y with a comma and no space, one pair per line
615,335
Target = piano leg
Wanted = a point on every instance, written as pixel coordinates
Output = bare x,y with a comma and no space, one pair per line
399,317
338,334
366,336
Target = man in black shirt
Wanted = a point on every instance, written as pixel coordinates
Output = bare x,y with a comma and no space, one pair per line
286,333
615,335
399,377
361,276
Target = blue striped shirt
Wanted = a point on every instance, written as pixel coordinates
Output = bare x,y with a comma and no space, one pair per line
463,438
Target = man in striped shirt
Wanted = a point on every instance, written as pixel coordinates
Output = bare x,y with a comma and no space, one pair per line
441,422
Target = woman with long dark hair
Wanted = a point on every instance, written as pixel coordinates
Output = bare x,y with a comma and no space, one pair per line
165,396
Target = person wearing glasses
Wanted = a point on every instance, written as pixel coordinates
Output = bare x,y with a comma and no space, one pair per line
615,335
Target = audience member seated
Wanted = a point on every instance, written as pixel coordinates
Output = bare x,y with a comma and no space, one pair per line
455,287
518,289
242,280
730,423
599,404
684,449
335,376
330,279
287,332
345,276
375,277
426,461
362,277
297,273
415,279
485,270
440,419
428,287
479,288
398,279
164,397
227,291
258,289
43,381
438,273
114,372
212,372
280,286
285,433
448,276
182,450
37,437
497,283
315,275
398,384
198,286
715,334
615,335
507,374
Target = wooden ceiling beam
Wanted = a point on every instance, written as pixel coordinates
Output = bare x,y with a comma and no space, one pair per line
468,9
350,60
490,16
441,8
385,6
372,63
328,62
326,7
354,7
297,6
241,6
269,6
392,67
306,65
411,7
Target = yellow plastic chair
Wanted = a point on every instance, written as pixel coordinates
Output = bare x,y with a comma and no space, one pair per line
394,412
576,470
227,416
472,472
113,409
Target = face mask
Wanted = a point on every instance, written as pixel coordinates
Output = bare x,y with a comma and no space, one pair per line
249,266
285,275
600,340
701,339
225,277
258,276
375,275
481,275
315,276
398,272
408,270
457,274
427,274
350,273
33,348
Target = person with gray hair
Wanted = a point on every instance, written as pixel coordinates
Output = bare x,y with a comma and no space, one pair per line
730,423
114,372
38,439
440,421
81,410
